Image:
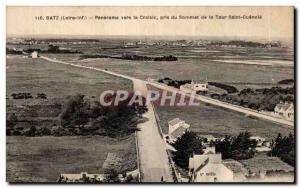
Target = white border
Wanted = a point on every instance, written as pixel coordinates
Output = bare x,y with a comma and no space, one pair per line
3,183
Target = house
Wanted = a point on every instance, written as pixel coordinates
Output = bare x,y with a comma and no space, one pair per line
177,128
34,54
209,168
238,169
258,139
80,178
85,177
208,138
263,145
285,110
267,143
194,87
262,168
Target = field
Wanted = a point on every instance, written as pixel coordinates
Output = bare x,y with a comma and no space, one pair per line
196,69
42,159
208,119
197,63
57,80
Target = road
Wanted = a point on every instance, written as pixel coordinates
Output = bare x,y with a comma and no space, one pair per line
205,99
154,162
215,102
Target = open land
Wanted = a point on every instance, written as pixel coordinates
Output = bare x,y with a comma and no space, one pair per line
42,159
207,119
215,64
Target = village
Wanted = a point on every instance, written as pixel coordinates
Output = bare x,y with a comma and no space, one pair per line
211,167
208,166
190,157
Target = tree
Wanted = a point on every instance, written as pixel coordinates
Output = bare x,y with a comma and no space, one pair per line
187,145
111,176
44,131
83,116
41,96
31,132
224,147
53,48
284,148
11,120
238,148
74,112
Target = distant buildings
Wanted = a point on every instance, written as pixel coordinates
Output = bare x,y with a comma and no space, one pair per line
208,138
285,110
194,87
81,178
177,128
85,177
258,139
262,143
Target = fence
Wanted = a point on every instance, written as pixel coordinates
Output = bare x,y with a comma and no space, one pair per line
171,162
138,156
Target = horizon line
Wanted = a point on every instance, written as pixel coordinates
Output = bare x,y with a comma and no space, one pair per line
69,36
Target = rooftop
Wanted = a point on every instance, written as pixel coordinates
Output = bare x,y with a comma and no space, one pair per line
198,161
265,163
178,132
175,121
284,106
206,136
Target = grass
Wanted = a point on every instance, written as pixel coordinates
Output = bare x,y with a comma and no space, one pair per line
191,64
57,80
196,69
208,119
42,159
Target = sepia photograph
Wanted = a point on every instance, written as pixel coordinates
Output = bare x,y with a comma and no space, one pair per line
150,94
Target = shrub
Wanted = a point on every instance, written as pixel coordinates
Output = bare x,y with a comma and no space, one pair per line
41,96
31,132
284,148
238,148
187,145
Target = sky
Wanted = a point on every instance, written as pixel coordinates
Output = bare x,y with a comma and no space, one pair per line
275,22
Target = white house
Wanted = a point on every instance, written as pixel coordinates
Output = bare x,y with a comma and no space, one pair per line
93,178
208,138
262,143
285,110
258,139
177,128
209,168
34,54
194,87
82,177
